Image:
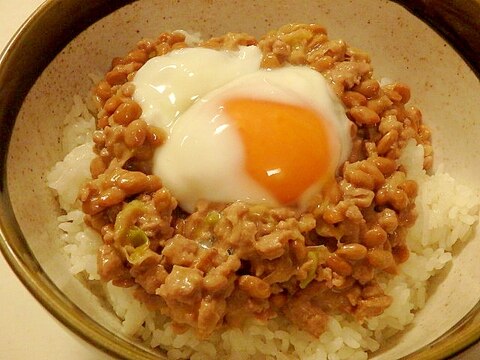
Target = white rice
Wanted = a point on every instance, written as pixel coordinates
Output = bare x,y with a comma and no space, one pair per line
446,215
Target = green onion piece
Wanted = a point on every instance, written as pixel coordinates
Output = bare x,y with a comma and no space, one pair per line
139,254
126,219
139,241
136,237
312,255
212,217
258,210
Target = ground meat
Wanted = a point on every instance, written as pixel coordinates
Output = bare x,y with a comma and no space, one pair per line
180,251
227,262
182,292
111,266
306,314
149,274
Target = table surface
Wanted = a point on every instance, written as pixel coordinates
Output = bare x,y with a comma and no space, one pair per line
22,317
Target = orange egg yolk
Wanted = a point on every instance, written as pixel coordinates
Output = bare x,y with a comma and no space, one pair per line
287,147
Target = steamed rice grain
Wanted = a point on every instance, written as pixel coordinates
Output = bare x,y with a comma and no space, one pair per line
447,212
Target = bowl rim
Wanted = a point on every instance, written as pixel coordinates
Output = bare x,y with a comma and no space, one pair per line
28,42
456,21
57,32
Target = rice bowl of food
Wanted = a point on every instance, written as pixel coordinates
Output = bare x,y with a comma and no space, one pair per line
282,186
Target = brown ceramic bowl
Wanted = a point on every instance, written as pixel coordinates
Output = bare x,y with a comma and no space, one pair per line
431,45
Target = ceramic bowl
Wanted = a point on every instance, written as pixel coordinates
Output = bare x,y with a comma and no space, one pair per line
435,51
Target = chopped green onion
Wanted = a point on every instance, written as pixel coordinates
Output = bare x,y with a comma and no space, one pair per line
139,254
126,219
313,257
258,210
212,217
139,241
136,237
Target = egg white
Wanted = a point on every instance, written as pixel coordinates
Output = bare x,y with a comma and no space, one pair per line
167,85
204,158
